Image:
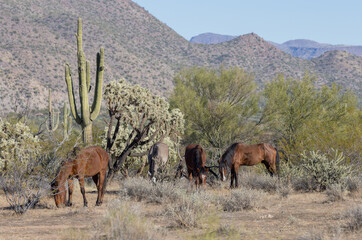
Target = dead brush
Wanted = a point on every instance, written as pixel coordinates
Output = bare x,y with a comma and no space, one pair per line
187,212
335,192
242,199
122,221
354,219
143,189
263,182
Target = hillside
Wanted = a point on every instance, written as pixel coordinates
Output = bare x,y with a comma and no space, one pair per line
211,38
37,39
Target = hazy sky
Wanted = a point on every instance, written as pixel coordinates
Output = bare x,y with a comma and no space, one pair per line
325,21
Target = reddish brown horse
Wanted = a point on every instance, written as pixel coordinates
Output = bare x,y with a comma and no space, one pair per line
195,158
249,155
88,162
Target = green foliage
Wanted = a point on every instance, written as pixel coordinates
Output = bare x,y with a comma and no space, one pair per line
23,176
303,117
321,170
218,105
17,145
142,119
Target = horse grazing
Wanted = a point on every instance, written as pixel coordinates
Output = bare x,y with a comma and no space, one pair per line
249,155
157,157
88,162
195,158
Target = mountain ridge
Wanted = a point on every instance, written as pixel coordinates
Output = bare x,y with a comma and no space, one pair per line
38,39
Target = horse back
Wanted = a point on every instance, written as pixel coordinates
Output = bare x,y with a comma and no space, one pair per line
91,160
191,152
158,151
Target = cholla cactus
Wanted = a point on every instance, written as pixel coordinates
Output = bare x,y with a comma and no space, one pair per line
142,119
17,145
53,117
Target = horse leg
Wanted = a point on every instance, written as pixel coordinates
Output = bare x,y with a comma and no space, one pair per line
82,190
96,180
232,177
100,188
70,192
236,169
102,179
267,166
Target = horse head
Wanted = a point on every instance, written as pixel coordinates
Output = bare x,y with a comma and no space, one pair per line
59,193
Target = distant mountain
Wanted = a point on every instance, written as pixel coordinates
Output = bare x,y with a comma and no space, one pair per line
301,48
37,39
211,38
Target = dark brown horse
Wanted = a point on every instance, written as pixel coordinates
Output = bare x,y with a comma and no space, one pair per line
249,155
88,162
195,158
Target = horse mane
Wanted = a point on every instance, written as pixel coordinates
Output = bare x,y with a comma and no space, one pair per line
228,154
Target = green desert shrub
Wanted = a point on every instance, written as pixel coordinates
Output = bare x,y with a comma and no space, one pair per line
316,171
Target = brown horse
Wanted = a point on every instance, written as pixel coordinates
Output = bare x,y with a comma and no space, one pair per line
88,162
249,155
195,158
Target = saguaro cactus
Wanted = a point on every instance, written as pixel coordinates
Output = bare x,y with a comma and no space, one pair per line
87,115
67,121
53,117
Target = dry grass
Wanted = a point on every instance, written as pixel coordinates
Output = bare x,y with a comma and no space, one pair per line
242,199
272,218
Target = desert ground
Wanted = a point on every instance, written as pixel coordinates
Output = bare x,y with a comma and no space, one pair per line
299,216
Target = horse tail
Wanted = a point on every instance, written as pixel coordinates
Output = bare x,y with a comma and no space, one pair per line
197,160
277,161
151,160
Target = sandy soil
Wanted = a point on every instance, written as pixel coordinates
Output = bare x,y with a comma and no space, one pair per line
300,215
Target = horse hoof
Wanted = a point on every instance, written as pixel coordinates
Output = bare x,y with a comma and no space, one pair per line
98,203
69,204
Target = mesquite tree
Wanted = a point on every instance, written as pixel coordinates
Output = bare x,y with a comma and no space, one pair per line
140,118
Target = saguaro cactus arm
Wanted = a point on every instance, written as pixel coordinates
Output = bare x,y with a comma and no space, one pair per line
96,106
72,103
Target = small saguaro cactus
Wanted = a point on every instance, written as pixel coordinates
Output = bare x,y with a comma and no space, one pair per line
53,117
67,121
87,115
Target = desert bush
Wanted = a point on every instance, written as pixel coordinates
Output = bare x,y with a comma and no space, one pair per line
312,235
121,221
263,182
143,189
187,212
22,175
354,219
241,199
353,184
335,192
319,172
283,189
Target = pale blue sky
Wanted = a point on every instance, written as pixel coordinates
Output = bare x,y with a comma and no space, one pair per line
324,21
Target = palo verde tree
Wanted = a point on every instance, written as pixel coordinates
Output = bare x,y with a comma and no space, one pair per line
87,115
138,119
303,117
218,105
